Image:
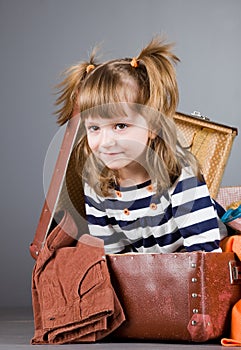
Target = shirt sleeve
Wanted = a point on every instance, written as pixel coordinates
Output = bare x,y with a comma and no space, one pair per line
195,215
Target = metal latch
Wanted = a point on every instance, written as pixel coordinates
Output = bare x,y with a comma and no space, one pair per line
197,114
235,272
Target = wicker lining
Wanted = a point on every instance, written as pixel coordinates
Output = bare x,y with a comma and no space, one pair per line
211,143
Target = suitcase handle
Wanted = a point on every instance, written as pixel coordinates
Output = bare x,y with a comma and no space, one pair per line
235,272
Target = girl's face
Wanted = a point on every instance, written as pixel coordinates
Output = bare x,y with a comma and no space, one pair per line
119,142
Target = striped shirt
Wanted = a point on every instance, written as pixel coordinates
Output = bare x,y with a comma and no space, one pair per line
137,219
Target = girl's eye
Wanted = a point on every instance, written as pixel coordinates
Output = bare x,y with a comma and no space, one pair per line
121,126
93,128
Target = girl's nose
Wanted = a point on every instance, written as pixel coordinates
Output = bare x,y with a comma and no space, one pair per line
107,138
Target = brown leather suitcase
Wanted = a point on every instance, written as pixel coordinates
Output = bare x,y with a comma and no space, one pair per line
178,297
182,297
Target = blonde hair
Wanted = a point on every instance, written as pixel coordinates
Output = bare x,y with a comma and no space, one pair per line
147,81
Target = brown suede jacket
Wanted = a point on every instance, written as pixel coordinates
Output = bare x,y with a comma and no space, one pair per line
73,299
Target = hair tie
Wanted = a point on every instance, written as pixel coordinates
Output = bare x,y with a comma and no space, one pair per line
89,68
134,62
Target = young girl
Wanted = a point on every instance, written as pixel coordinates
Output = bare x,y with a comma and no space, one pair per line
144,192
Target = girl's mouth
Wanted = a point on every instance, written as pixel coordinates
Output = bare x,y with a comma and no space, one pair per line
109,154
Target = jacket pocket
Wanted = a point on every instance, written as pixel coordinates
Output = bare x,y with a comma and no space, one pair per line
92,278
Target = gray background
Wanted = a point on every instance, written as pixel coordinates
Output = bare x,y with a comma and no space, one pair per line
40,38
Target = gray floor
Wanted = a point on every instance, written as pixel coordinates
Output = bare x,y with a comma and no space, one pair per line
16,330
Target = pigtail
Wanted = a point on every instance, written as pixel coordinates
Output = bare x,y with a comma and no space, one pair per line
69,88
159,62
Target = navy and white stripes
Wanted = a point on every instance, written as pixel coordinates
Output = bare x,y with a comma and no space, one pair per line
136,219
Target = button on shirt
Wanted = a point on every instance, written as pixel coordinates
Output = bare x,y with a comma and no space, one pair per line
138,219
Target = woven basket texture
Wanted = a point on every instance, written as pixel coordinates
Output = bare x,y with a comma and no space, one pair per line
211,144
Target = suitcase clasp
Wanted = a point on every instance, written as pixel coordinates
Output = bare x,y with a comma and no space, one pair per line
197,114
235,272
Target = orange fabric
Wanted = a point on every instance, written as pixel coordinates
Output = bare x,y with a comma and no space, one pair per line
233,244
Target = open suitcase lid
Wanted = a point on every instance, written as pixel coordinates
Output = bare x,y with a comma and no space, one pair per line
210,142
